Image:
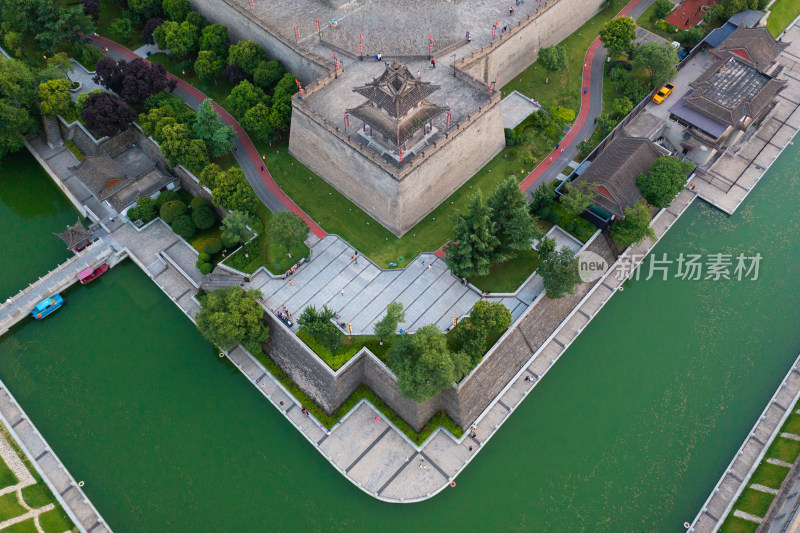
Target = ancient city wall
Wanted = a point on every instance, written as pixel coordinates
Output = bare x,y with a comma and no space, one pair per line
398,199
305,65
515,50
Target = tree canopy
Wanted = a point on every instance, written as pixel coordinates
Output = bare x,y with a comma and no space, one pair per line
180,148
617,35
580,195
472,246
208,65
634,228
386,327
235,226
231,316
181,39
243,97
424,365
54,96
214,38
247,55
664,181
256,122
515,228
662,8
658,60
317,323
208,128
483,319
134,81
288,230
553,59
176,9
106,114
558,269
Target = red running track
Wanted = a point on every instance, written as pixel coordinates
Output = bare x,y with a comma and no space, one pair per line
586,81
250,149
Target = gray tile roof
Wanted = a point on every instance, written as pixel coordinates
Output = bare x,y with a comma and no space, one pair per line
398,130
615,170
102,175
752,45
74,235
396,91
732,90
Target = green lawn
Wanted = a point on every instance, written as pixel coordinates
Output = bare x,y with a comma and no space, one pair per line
754,502
22,527
781,14
734,524
648,22
564,88
54,521
36,496
111,10
769,475
336,214
265,253
792,424
508,275
10,507
7,477
784,449
72,147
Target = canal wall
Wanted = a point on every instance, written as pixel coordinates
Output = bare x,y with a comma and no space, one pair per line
67,491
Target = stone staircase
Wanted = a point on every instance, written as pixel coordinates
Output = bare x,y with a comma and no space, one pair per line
156,267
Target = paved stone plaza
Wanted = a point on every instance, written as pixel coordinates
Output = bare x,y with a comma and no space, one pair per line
391,26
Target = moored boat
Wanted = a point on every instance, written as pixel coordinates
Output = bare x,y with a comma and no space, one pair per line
87,275
47,306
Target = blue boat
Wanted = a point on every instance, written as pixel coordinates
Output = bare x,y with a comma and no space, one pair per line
47,306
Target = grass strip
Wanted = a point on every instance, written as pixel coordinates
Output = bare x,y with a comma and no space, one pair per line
782,12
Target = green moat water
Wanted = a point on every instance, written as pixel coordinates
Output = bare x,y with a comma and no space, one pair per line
628,432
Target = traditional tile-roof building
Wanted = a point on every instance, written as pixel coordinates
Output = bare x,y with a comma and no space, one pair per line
615,169
75,236
396,107
736,91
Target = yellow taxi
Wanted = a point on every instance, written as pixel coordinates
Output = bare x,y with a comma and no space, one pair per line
662,93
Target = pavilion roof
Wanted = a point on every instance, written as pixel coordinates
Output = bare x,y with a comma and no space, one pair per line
396,91
74,235
398,130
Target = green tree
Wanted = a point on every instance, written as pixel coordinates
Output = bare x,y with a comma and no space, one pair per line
484,319
472,246
144,210
122,27
256,122
145,9
214,38
288,230
210,175
617,35
235,227
691,37
180,148
580,195
232,192
634,228
280,116
662,8
176,9
542,197
171,210
562,115
244,96
203,217
424,365
54,97
247,55
658,60
386,327
666,178
622,106
285,89
207,126
553,59
179,38
318,324
184,226
558,269
60,65
606,123
515,228
17,83
53,32
208,65
268,74
16,123
231,316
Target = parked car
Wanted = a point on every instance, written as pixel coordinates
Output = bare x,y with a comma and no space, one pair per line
662,93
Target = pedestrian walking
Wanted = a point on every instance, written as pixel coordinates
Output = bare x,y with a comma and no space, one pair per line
585,90
557,145
262,168
291,283
433,62
430,267
511,11
342,291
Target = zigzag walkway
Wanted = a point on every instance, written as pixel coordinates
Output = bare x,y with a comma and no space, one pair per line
17,307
